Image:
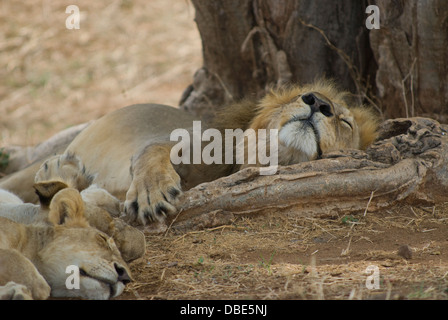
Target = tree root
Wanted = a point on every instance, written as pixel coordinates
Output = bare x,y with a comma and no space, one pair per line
407,164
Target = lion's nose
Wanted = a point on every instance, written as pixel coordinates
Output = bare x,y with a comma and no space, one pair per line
317,105
123,275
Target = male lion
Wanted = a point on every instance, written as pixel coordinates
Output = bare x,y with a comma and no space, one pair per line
129,150
34,258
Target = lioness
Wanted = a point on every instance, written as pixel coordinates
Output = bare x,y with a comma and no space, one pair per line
129,149
102,210
36,257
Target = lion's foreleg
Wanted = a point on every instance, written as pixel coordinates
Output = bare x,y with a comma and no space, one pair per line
155,185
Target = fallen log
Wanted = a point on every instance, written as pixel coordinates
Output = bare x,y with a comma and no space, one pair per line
407,164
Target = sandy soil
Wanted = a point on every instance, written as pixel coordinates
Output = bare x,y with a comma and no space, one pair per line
129,52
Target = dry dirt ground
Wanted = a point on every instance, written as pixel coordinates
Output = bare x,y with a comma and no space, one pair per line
129,52
279,256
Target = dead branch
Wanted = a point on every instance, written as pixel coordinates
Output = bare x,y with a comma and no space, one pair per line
403,166
411,70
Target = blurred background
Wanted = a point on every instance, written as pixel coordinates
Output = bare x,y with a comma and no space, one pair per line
128,52
125,52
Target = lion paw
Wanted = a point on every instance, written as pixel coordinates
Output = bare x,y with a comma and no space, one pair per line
14,291
153,197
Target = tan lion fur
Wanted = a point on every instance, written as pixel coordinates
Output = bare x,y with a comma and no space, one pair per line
128,150
280,105
101,209
36,256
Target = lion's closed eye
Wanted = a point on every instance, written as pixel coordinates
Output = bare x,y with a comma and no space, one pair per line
103,240
108,242
347,122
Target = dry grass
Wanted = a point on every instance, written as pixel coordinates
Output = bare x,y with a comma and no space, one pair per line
125,52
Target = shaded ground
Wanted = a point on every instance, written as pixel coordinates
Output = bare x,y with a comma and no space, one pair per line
289,257
147,51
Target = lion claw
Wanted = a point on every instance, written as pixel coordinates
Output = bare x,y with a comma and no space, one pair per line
147,203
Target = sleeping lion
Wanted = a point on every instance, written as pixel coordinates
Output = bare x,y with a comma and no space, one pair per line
130,150
34,257
102,210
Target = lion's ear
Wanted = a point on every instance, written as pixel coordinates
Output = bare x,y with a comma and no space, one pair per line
67,208
46,190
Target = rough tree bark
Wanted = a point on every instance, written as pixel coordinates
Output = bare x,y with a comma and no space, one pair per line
249,45
407,165
411,50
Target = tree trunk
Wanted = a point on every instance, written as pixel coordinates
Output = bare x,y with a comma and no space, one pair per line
411,49
252,45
